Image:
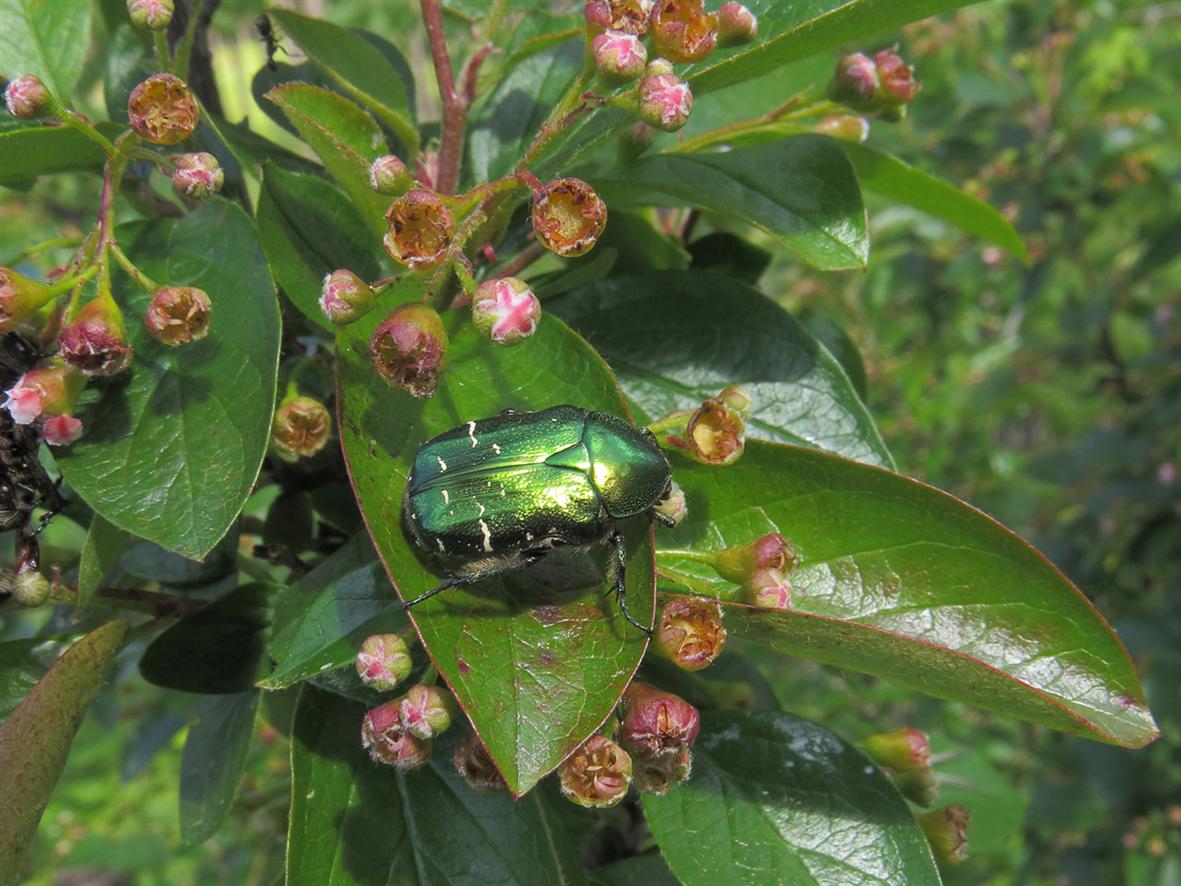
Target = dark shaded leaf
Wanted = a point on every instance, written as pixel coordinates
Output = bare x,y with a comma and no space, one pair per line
212,764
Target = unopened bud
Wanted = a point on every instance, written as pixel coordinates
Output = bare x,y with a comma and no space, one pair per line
178,315
197,176
30,588
505,310
947,831
389,175
898,86
855,82
27,98
345,297
902,750
846,127
736,24
475,765
656,723
568,216
387,741
597,775
768,589
715,434
656,775
919,786
409,348
737,398
61,430
690,632
666,101
20,298
94,340
162,110
420,229
683,31
301,428
383,661
673,508
629,16
620,57
152,14
43,392
426,710
739,562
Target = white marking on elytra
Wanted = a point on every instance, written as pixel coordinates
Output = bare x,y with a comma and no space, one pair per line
528,536
442,465
483,509
496,448
439,542
446,497
487,536
471,432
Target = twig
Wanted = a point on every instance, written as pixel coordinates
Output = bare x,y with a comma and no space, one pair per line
454,106
523,259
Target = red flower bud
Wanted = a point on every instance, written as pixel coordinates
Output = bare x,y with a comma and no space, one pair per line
152,14
301,427
345,297
656,723
94,340
426,710
683,31
665,99
178,315
568,216
596,775
409,348
197,176
473,763
898,86
656,775
505,310
946,829
162,110
674,508
383,661
20,298
768,588
44,392
383,735
739,562
389,175
690,632
715,434
902,750
420,229
27,98
620,57
846,127
736,24
629,16
855,82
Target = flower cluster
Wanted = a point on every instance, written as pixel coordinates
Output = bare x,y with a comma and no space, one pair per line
883,84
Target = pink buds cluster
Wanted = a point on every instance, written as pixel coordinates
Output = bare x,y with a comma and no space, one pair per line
884,83
620,57
345,297
657,728
45,396
665,99
197,176
154,15
399,732
762,567
383,661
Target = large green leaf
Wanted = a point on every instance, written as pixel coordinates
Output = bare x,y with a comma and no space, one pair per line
676,338
536,670
802,191
22,662
47,38
104,545
776,799
171,449
903,581
214,758
309,229
355,822
29,151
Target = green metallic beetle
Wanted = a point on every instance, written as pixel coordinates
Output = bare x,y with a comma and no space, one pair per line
497,494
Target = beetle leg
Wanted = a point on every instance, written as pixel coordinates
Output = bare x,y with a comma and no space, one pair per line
616,542
447,583
662,519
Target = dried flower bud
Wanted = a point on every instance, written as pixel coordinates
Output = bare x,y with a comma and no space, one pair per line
665,99
383,661
919,786
902,750
61,430
739,562
568,216
683,31
475,765
846,127
197,176
690,632
656,723
855,82
152,14
30,588
409,348
420,229
162,110
301,427
715,434
898,86
656,775
94,340
345,297
43,392
629,16
505,310
389,175
946,829
620,57
20,298
596,775
426,710
736,24
768,589
178,315
388,742
673,508
27,98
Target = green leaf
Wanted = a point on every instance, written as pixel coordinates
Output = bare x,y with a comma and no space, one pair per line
308,229
535,670
35,739
344,137
104,545
902,581
675,339
22,662
357,67
776,799
724,253
129,60
214,758
172,448
28,152
789,32
887,175
353,821
802,191
46,38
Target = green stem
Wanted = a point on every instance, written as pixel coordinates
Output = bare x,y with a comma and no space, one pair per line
145,282
691,583
43,246
674,421
795,108
430,676
253,569
163,56
65,284
709,557
72,120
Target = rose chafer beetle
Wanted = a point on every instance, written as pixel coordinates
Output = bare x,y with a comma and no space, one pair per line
496,495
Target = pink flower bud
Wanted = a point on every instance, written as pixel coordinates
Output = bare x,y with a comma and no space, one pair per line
683,31
426,710
409,348
629,16
389,175
178,315
388,742
301,428
947,831
505,310
715,434
597,775
383,661
619,57
855,82
475,765
345,297
20,298
43,392
27,98
197,176
739,562
690,632
846,127
736,24
902,750
61,430
768,588
152,14
674,507
162,110
898,86
665,99
420,229
94,340
568,217
657,775
656,723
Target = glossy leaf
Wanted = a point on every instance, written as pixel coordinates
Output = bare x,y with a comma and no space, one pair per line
22,662
45,38
802,191
29,151
172,448
900,580
536,669
676,338
104,545
776,799
353,821
214,758
308,229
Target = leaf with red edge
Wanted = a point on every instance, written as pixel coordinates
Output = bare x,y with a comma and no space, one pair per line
537,670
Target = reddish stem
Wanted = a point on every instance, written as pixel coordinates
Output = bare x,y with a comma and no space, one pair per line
471,73
454,105
523,259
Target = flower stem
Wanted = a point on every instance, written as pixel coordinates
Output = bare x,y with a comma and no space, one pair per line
163,55
74,121
145,282
795,108
454,104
